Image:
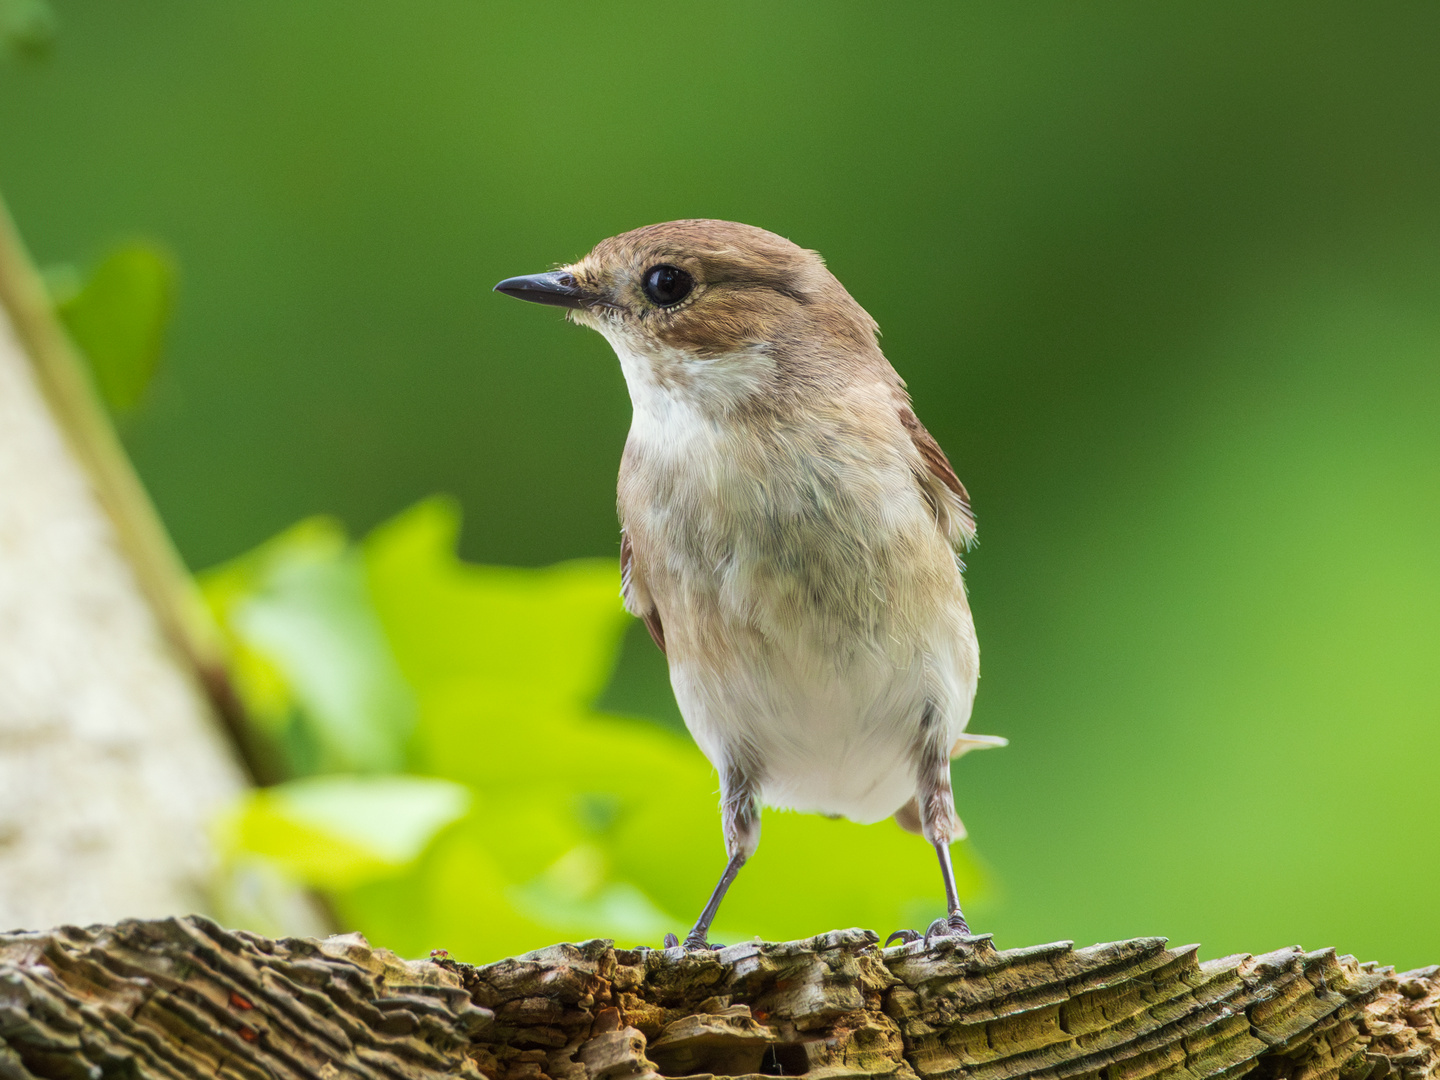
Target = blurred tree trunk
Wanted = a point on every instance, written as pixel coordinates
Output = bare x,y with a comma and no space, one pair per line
186,998
111,758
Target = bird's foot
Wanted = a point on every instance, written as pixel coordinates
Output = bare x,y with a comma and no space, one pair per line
693,943
954,926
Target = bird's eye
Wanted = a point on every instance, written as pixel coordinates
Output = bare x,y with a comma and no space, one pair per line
666,284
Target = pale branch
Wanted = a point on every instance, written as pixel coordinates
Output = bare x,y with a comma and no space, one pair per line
184,998
74,406
111,766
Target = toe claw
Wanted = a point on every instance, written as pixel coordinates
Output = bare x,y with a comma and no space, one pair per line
905,936
671,941
954,926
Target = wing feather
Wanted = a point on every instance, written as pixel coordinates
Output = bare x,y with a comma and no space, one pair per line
633,593
948,499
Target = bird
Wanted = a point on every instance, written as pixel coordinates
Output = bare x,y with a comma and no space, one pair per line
790,534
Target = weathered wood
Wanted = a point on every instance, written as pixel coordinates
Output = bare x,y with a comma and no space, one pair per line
184,998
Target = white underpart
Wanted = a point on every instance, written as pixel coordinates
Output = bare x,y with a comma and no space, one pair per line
831,713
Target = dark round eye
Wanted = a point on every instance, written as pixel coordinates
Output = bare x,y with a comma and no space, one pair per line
666,284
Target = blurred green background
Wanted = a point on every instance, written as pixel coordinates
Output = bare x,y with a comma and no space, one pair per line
1164,281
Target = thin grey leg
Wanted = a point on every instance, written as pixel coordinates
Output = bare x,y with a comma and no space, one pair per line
697,938
740,817
955,922
936,805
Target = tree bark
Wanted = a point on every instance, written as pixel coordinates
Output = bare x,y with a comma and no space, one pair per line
184,998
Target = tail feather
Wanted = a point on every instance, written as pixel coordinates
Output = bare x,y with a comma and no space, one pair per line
967,742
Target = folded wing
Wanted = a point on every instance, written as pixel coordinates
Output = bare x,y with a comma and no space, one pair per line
634,594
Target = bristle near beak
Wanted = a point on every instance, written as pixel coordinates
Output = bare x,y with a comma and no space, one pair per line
557,288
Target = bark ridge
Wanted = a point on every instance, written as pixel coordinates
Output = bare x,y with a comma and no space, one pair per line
185,998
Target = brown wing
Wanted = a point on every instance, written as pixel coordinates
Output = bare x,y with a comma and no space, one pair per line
634,597
942,489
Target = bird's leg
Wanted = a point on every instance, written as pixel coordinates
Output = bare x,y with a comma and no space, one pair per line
696,939
937,824
740,815
954,922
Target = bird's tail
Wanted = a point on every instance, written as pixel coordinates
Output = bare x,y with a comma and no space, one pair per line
967,742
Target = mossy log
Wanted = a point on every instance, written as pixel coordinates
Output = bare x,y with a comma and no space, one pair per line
185,998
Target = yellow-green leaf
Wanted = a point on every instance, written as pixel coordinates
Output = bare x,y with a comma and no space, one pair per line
341,831
306,636
557,629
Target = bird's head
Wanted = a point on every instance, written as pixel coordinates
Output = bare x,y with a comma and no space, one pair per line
714,310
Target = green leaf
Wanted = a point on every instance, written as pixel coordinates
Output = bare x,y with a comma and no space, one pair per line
259,679
340,831
498,735
556,630
316,621
308,641
118,319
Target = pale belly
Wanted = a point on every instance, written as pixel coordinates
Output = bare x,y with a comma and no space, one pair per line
828,730
846,747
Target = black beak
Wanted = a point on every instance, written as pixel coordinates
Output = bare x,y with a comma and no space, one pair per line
558,288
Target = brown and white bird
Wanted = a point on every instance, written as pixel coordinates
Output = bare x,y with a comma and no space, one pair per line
789,533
